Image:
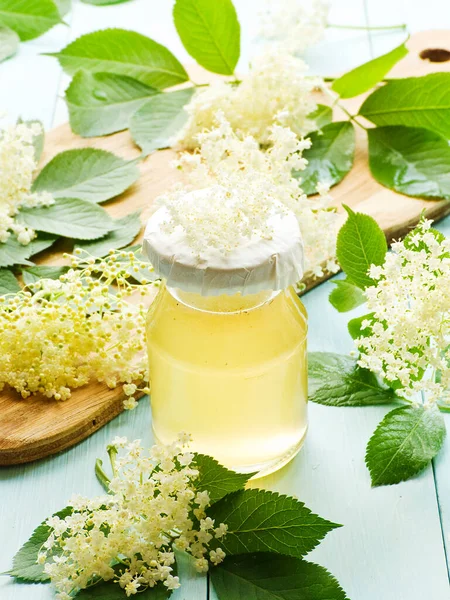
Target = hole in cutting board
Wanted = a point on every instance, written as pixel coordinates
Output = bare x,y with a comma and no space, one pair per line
436,55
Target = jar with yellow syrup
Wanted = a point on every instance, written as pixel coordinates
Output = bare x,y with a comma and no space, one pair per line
226,340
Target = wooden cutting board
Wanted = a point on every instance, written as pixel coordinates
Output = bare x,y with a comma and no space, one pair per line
37,427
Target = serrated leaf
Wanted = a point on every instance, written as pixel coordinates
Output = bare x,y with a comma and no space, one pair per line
346,296
125,53
404,443
336,380
210,32
322,116
103,103
363,78
41,242
267,576
360,243
113,591
355,329
33,274
9,42
412,101
8,282
38,139
128,228
409,160
87,174
330,157
263,521
29,18
216,479
69,217
155,124
25,566
13,253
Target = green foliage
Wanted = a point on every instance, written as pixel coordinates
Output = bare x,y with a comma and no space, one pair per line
103,103
63,6
261,521
346,296
33,274
322,116
154,124
359,80
13,253
128,228
412,101
8,283
410,160
360,243
29,18
330,157
38,140
266,576
404,443
9,42
210,32
124,53
104,2
111,591
87,174
216,479
354,326
336,380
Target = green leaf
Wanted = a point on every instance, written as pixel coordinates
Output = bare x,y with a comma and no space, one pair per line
155,124
210,32
355,329
25,567
330,157
64,6
346,296
8,283
404,443
41,243
38,139
29,18
359,80
263,521
124,53
266,576
128,228
9,42
322,116
13,253
412,101
216,479
336,380
102,103
112,591
104,2
69,217
33,274
409,160
88,174
360,243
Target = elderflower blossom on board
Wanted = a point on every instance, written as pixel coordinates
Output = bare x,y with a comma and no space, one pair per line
408,342
57,335
129,536
275,92
17,165
235,167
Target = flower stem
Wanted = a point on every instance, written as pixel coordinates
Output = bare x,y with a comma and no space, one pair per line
101,475
401,26
350,116
112,453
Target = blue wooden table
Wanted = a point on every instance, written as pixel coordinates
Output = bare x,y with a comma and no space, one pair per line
393,543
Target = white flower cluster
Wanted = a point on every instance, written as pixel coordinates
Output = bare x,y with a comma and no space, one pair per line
56,335
275,92
17,165
247,183
409,343
129,536
294,25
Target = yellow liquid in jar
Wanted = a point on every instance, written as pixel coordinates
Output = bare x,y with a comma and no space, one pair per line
232,372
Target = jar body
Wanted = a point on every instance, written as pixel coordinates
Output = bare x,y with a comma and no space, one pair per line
232,372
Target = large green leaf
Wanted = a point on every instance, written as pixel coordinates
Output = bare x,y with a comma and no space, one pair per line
33,274
412,101
346,296
404,443
216,479
267,576
330,157
322,116
263,521
410,160
69,217
112,591
210,32
29,18
9,42
125,53
155,124
128,228
102,103
88,174
355,326
336,380
8,283
360,243
363,78
13,253
41,242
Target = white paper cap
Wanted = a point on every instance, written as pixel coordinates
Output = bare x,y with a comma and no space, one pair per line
255,265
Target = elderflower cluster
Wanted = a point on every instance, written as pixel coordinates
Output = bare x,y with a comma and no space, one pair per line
295,25
409,340
57,335
275,92
246,184
17,165
129,536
